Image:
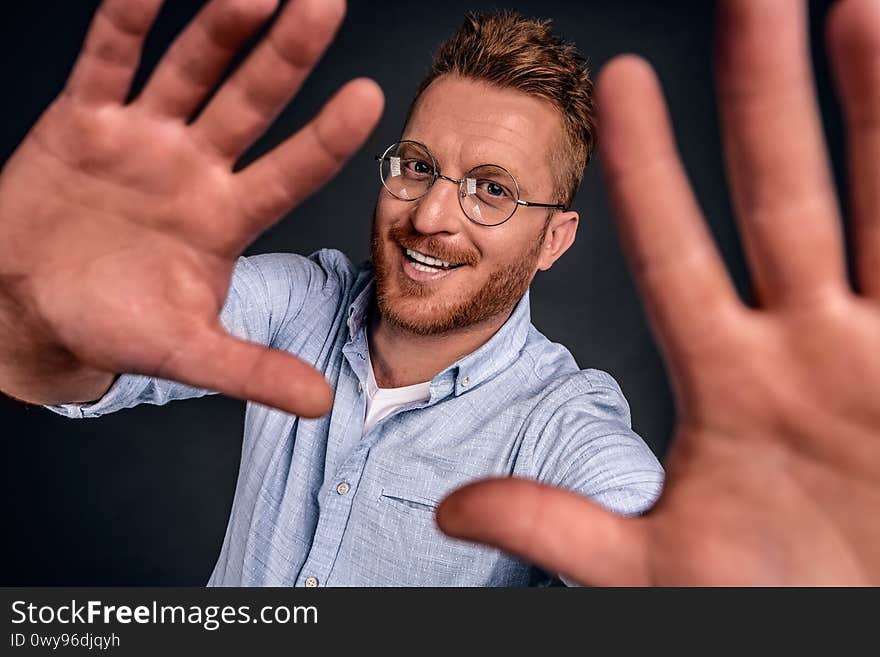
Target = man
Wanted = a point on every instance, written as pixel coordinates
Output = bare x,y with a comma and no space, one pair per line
774,476
121,223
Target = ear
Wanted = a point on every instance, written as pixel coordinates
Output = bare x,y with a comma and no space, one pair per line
557,238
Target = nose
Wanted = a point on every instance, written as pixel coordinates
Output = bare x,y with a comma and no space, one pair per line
438,211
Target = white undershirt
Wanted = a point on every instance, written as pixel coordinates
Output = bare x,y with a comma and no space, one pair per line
382,402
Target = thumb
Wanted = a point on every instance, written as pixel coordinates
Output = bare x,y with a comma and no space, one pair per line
559,530
217,361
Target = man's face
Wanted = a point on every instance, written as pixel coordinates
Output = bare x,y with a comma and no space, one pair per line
465,123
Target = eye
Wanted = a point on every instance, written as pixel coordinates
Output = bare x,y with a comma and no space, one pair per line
494,190
418,168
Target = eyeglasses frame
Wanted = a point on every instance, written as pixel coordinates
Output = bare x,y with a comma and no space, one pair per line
460,182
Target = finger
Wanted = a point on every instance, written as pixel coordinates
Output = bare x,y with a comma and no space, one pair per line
560,531
214,360
776,158
285,176
112,50
854,45
684,284
201,53
251,99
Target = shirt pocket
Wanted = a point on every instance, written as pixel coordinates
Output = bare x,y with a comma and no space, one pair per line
408,536
392,539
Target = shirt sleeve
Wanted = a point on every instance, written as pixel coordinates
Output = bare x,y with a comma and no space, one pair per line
266,295
588,446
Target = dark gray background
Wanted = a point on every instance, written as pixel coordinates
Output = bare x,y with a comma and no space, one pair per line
143,497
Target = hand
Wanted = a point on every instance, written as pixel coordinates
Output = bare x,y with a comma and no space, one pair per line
774,472
120,222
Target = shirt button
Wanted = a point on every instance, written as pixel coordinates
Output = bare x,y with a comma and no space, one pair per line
465,381
311,582
360,387
342,488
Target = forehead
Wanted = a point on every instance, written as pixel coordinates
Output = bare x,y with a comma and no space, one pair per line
468,122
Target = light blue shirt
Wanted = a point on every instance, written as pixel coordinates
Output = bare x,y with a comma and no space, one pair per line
320,503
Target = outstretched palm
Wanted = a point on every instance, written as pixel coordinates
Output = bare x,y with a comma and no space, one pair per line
121,221
774,472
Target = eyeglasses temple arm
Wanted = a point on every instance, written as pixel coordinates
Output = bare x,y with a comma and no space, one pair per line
530,204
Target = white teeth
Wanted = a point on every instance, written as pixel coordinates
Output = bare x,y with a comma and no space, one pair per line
428,260
420,267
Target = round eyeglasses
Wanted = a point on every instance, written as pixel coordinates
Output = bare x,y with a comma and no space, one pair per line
488,194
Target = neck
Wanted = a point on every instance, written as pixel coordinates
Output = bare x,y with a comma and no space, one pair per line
402,358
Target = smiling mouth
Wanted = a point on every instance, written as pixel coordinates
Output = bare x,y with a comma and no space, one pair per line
428,264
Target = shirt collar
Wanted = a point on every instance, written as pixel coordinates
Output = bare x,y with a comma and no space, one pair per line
479,366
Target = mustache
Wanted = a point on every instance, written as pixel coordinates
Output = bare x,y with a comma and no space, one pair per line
431,245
